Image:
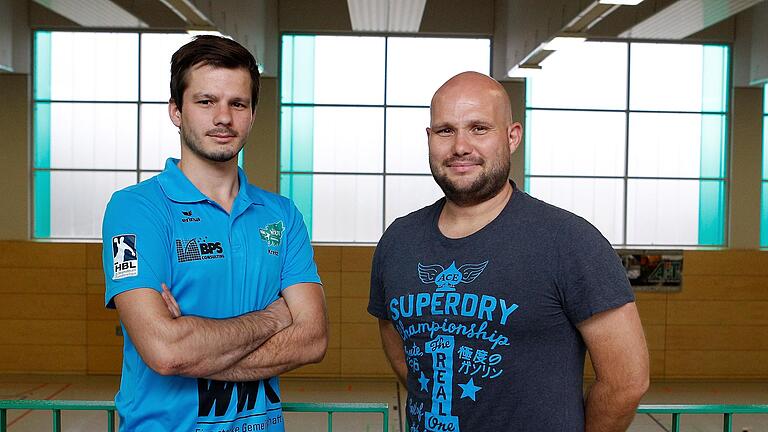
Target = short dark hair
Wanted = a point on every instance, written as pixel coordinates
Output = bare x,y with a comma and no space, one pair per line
214,51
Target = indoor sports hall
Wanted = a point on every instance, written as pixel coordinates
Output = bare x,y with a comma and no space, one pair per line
645,117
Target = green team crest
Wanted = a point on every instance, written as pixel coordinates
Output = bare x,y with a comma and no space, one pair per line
272,233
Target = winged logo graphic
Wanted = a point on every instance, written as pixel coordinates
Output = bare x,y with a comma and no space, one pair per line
446,279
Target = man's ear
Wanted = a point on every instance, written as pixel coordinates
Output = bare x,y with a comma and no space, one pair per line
515,136
174,112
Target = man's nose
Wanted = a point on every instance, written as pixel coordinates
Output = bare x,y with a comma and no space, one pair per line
462,144
223,115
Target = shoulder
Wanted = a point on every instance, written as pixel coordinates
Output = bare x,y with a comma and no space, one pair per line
146,193
269,199
549,217
406,229
414,221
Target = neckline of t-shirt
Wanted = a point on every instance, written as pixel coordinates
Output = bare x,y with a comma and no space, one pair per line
439,208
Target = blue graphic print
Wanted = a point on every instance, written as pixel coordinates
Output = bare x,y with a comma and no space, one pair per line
461,332
439,418
447,279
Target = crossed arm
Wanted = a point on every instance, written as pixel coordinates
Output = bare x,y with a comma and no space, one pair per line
237,349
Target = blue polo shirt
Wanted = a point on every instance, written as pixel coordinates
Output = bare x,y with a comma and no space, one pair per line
217,265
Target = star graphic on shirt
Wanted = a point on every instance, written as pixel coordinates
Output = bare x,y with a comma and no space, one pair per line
423,381
469,389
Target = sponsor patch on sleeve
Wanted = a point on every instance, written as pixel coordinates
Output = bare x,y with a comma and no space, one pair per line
124,256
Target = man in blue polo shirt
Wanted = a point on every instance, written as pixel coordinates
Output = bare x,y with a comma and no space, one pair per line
213,278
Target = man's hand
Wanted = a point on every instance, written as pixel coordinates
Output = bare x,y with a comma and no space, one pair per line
619,356
302,342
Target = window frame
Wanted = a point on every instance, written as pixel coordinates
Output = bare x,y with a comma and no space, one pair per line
384,173
627,111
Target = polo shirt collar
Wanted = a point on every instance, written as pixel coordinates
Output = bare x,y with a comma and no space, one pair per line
177,186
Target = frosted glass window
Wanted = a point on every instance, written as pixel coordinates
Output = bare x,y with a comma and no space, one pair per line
353,158
663,212
416,67
91,66
78,199
156,52
576,143
350,210
600,201
678,77
590,75
406,194
146,175
407,149
86,136
665,147
91,134
332,139
348,139
159,137
670,145
333,70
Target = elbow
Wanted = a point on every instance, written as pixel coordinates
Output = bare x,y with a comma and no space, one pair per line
633,389
318,348
639,387
166,363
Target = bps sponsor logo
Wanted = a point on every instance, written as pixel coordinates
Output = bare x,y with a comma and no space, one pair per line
124,256
198,249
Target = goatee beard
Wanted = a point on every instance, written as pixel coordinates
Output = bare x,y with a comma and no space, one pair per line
486,185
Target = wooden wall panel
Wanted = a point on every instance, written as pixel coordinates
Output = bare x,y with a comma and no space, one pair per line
52,306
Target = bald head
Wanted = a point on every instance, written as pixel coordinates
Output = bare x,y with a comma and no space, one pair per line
475,86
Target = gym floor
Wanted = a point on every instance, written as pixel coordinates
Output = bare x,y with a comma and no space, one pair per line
70,387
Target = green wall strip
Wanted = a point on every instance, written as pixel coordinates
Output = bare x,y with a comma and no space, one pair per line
764,216
711,212
42,203
712,158
714,82
298,187
527,149
42,136
764,195
297,123
42,82
714,97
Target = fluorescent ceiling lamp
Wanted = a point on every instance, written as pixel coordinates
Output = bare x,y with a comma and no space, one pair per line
401,16
621,2
93,13
524,71
194,32
563,42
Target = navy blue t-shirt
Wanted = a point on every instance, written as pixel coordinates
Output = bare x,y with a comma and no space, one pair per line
488,321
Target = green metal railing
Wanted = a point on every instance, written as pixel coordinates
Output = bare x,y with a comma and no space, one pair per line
57,406
727,411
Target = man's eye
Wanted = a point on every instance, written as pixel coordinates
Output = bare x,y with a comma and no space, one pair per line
204,102
445,131
480,129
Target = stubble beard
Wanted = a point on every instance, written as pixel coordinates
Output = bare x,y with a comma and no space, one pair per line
220,154
487,185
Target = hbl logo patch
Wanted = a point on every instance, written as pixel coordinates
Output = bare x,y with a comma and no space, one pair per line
124,256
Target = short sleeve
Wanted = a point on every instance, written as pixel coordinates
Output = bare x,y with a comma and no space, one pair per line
299,265
135,250
376,306
591,278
